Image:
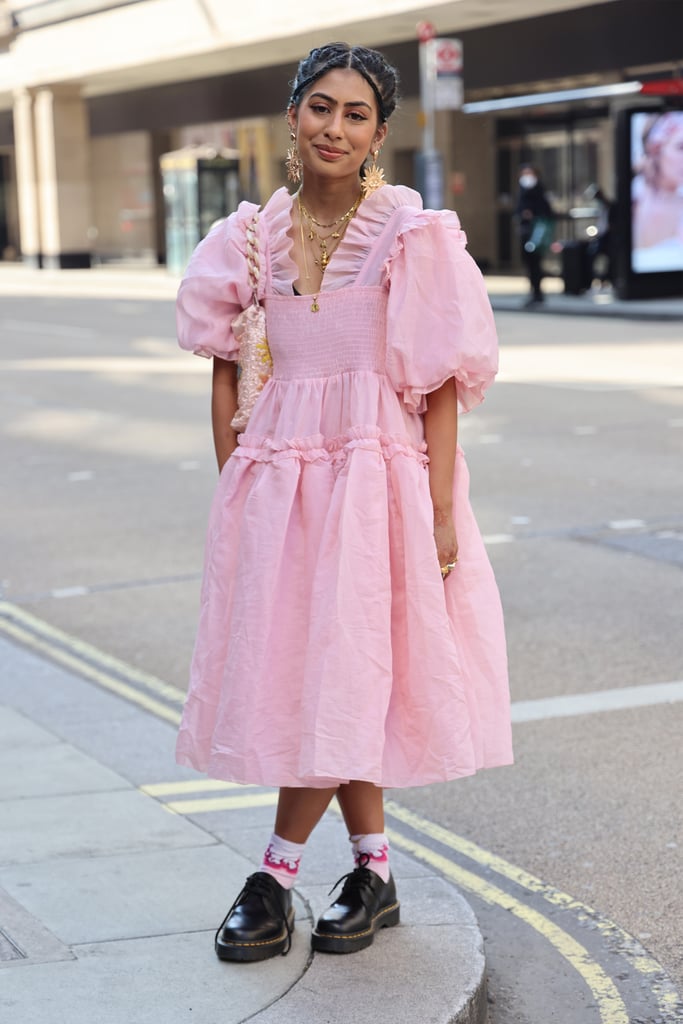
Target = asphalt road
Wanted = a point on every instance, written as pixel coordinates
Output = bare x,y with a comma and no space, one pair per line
577,469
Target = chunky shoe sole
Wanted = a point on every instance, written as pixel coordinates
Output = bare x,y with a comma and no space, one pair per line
261,950
324,942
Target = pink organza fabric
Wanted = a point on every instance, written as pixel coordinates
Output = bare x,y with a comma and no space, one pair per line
328,647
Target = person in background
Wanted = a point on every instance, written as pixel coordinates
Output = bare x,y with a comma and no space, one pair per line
535,219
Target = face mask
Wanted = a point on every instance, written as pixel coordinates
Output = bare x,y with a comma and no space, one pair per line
528,180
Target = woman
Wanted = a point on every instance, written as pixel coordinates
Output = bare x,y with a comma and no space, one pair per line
348,640
536,218
658,195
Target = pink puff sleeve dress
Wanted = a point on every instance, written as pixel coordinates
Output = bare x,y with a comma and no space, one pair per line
329,648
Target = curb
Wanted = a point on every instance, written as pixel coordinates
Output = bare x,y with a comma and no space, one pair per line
560,305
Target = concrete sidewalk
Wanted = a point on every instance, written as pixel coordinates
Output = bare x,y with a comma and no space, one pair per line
507,293
116,868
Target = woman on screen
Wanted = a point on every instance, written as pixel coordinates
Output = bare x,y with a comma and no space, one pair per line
658,194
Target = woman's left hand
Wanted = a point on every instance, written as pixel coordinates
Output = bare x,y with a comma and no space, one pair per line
446,542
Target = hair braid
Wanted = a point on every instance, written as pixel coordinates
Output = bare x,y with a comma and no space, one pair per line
377,72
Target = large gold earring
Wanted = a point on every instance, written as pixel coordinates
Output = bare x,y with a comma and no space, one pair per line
293,161
373,178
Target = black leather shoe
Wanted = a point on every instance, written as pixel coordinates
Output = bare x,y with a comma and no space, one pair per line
260,922
365,904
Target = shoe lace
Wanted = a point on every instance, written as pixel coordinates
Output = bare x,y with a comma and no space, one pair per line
357,880
258,886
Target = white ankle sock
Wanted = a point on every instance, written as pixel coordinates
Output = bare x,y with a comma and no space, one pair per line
374,846
281,860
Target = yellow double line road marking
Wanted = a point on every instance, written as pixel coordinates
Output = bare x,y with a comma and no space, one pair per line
238,802
610,1004
226,803
612,1009
125,680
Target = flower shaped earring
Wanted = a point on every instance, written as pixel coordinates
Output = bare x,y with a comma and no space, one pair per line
373,177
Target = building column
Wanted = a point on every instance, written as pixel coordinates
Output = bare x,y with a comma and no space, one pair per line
27,184
62,164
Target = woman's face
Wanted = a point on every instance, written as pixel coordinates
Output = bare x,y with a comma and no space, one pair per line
671,158
337,124
527,177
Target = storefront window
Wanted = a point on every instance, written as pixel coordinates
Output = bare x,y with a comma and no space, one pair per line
567,155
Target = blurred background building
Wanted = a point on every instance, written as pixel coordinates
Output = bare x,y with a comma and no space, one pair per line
114,114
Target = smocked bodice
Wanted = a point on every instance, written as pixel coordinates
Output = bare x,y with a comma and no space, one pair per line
402,300
347,334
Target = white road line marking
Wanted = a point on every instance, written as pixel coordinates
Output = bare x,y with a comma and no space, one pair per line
626,524
107,364
70,591
498,538
617,699
60,330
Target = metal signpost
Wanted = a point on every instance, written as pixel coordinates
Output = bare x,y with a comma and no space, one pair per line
440,89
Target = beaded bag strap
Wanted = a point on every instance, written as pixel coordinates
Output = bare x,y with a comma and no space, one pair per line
253,261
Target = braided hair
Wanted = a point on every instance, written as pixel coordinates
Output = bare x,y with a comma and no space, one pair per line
370,64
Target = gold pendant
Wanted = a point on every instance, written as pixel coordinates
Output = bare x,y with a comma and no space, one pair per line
315,308
372,179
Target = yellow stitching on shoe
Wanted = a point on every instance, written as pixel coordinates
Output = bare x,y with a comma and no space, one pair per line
357,935
242,945
261,942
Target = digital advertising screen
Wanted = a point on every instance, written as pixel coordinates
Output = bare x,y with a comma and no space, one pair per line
656,157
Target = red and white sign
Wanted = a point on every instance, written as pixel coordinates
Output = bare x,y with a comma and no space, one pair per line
448,56
447,64
425,31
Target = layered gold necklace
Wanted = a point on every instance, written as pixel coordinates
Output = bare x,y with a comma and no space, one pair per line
311,235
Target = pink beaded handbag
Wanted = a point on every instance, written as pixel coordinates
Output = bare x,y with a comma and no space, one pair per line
254,364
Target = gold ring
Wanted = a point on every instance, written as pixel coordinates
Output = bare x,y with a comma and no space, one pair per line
449,567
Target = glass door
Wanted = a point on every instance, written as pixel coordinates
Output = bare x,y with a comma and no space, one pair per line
568,159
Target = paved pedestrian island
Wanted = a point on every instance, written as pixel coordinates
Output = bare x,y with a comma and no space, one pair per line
109,896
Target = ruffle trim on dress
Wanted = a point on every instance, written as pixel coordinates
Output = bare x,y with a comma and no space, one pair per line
363,231
471,389
360,236
278,215
335,450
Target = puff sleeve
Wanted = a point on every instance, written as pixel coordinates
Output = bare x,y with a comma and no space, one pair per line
439,318
215,288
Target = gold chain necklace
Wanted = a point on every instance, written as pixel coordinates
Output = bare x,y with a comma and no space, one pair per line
345,216
325,254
